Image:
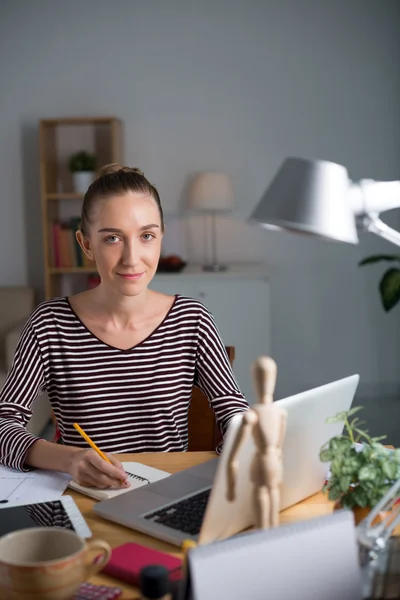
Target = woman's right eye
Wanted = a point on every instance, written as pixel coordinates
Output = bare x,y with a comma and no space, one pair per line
111,239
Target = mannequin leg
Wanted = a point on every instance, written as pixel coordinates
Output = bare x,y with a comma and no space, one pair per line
275,498
262,507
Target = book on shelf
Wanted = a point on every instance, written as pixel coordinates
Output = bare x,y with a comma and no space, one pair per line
65,251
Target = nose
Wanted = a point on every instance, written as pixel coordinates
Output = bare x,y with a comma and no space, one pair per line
131,254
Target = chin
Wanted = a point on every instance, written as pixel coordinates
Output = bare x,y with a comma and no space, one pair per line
128,288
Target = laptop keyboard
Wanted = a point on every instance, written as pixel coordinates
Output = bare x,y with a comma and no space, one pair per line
184,515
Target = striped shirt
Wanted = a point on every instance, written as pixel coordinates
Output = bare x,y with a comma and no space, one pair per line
134,400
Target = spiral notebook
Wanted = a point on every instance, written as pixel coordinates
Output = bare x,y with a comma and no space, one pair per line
138,476
306,560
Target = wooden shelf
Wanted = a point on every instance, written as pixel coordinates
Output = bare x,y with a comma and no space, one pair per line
71,270
65,196
59,139
78,121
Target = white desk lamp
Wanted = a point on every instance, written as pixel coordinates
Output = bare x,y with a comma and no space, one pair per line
317,197
211,193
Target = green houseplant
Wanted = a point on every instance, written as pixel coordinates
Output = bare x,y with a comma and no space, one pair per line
389,286
360,476
82,166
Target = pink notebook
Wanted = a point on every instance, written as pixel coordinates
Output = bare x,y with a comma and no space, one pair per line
127,561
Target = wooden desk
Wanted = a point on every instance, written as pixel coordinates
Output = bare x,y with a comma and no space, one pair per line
172,462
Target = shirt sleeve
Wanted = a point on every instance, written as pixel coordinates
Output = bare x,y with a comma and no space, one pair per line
214,375
24,383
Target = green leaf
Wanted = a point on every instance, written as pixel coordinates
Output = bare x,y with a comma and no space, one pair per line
377,258
347,500
367,472
325,455
363,433
345,483
353,410
390,469
389,288
340,416
360,497
334,493
339,444
379,438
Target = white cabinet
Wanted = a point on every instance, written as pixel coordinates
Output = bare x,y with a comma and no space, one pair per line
239,301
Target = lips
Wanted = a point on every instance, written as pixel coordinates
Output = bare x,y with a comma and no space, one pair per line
131,276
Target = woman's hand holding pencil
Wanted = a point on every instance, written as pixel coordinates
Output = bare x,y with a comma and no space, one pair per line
92,468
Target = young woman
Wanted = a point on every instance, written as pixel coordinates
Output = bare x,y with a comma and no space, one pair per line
120,359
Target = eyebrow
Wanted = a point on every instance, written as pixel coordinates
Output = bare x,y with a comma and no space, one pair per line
114,230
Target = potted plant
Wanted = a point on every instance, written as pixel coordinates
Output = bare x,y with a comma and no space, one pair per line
362,469
389,285
82,166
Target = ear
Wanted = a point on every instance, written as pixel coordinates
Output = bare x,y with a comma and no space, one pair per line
84,243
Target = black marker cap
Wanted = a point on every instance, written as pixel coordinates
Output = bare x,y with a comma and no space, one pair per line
154,582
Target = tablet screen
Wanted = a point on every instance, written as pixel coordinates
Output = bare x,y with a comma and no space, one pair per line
44,514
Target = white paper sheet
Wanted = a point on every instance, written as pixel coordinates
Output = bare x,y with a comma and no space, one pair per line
18,488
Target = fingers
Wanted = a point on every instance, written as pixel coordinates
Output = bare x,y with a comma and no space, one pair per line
110,470
116,463
93,478
94,471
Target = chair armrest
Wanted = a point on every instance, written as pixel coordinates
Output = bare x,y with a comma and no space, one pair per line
41,415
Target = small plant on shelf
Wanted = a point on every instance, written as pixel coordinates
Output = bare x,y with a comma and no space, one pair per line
360,473
82,161
82,166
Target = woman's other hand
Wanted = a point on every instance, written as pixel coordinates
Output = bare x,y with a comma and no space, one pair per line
90,470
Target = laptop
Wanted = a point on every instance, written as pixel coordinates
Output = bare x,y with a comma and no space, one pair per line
192,504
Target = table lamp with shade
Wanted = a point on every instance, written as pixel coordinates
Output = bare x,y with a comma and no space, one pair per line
211,193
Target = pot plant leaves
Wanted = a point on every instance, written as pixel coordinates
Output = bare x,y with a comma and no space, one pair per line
389,286
360,476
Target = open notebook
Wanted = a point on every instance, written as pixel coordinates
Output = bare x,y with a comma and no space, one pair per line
138,475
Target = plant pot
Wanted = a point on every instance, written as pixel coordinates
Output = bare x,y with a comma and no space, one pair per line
360,513
82,180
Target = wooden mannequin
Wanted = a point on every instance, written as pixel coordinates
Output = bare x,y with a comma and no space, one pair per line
266,421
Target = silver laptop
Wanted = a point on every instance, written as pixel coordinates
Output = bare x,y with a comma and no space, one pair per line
192,504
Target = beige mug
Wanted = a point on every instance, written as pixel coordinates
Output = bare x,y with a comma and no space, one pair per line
49,563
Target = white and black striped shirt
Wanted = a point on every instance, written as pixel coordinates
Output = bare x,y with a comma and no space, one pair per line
132,400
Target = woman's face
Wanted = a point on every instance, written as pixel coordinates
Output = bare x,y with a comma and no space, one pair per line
125,241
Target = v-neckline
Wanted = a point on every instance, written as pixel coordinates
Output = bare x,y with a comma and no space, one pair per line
115,347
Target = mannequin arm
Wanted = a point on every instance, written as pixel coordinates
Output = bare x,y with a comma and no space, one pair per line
283,428
248,421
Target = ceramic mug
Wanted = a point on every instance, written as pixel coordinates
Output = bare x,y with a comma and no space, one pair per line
49,563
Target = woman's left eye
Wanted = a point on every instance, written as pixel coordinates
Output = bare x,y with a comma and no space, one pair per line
147,237
111,239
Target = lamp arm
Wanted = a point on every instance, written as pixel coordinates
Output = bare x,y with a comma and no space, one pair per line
374,197
372,223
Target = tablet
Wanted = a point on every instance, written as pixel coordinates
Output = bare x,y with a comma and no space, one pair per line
55,513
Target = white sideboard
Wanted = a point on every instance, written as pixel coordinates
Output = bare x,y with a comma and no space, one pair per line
239,300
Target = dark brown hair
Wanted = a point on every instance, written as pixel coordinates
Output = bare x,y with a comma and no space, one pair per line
114,180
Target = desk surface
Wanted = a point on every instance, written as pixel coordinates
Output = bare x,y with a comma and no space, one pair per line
172,462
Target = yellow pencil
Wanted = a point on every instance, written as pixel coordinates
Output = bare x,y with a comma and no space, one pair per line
91,443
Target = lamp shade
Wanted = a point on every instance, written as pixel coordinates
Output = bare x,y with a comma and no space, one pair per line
211,192
309,196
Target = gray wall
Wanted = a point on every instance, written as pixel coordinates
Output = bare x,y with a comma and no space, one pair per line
234,85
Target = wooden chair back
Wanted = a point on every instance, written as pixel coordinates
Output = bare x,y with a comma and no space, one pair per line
204,433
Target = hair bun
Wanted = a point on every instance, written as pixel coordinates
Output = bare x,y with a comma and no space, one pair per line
115,168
